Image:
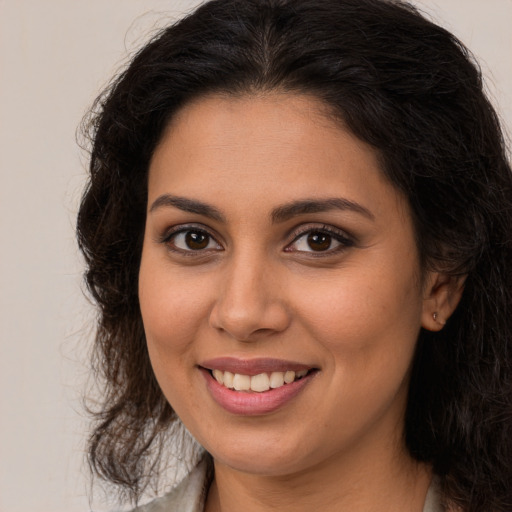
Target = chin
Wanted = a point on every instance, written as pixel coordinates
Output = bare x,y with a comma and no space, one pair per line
267,456
258,463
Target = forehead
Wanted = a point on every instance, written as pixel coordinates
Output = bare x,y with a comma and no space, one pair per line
272,148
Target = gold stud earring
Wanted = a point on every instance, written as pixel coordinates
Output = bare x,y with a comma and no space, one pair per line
434,316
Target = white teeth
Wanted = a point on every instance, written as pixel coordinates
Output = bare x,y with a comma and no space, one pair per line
289,376
276,379
258,383
219,376
241,382
228,379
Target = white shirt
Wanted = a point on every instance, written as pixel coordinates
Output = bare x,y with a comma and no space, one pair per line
190,494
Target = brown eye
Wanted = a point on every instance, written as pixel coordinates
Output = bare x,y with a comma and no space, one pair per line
196,240
319,241
191,240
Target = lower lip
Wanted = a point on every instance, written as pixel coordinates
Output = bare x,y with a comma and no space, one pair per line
253,403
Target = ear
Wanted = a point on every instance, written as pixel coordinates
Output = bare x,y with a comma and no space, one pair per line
441,295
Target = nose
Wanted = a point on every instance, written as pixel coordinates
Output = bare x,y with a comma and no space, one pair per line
250,303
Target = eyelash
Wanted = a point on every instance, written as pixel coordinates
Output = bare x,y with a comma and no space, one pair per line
339,236
171,234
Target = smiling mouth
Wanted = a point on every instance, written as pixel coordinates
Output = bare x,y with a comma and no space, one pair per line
254,387
257,383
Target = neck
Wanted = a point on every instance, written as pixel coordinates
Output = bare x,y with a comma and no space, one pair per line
368,484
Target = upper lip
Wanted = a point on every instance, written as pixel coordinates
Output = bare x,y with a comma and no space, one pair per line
253,366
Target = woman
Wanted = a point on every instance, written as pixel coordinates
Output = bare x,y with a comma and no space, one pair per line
298,233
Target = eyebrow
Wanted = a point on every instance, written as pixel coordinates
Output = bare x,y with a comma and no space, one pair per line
301,207
187,205
278,215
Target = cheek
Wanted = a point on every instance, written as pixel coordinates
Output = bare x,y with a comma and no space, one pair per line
364,311
172,309
367,327
172,314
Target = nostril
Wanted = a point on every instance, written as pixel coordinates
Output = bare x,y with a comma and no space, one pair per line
247,324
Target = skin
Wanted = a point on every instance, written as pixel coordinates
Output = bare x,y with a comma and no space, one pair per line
258,289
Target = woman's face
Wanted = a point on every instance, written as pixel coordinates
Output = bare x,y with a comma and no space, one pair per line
275,245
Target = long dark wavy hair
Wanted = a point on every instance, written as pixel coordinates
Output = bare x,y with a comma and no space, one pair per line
402,84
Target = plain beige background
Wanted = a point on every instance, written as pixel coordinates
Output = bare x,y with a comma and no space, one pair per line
55,55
